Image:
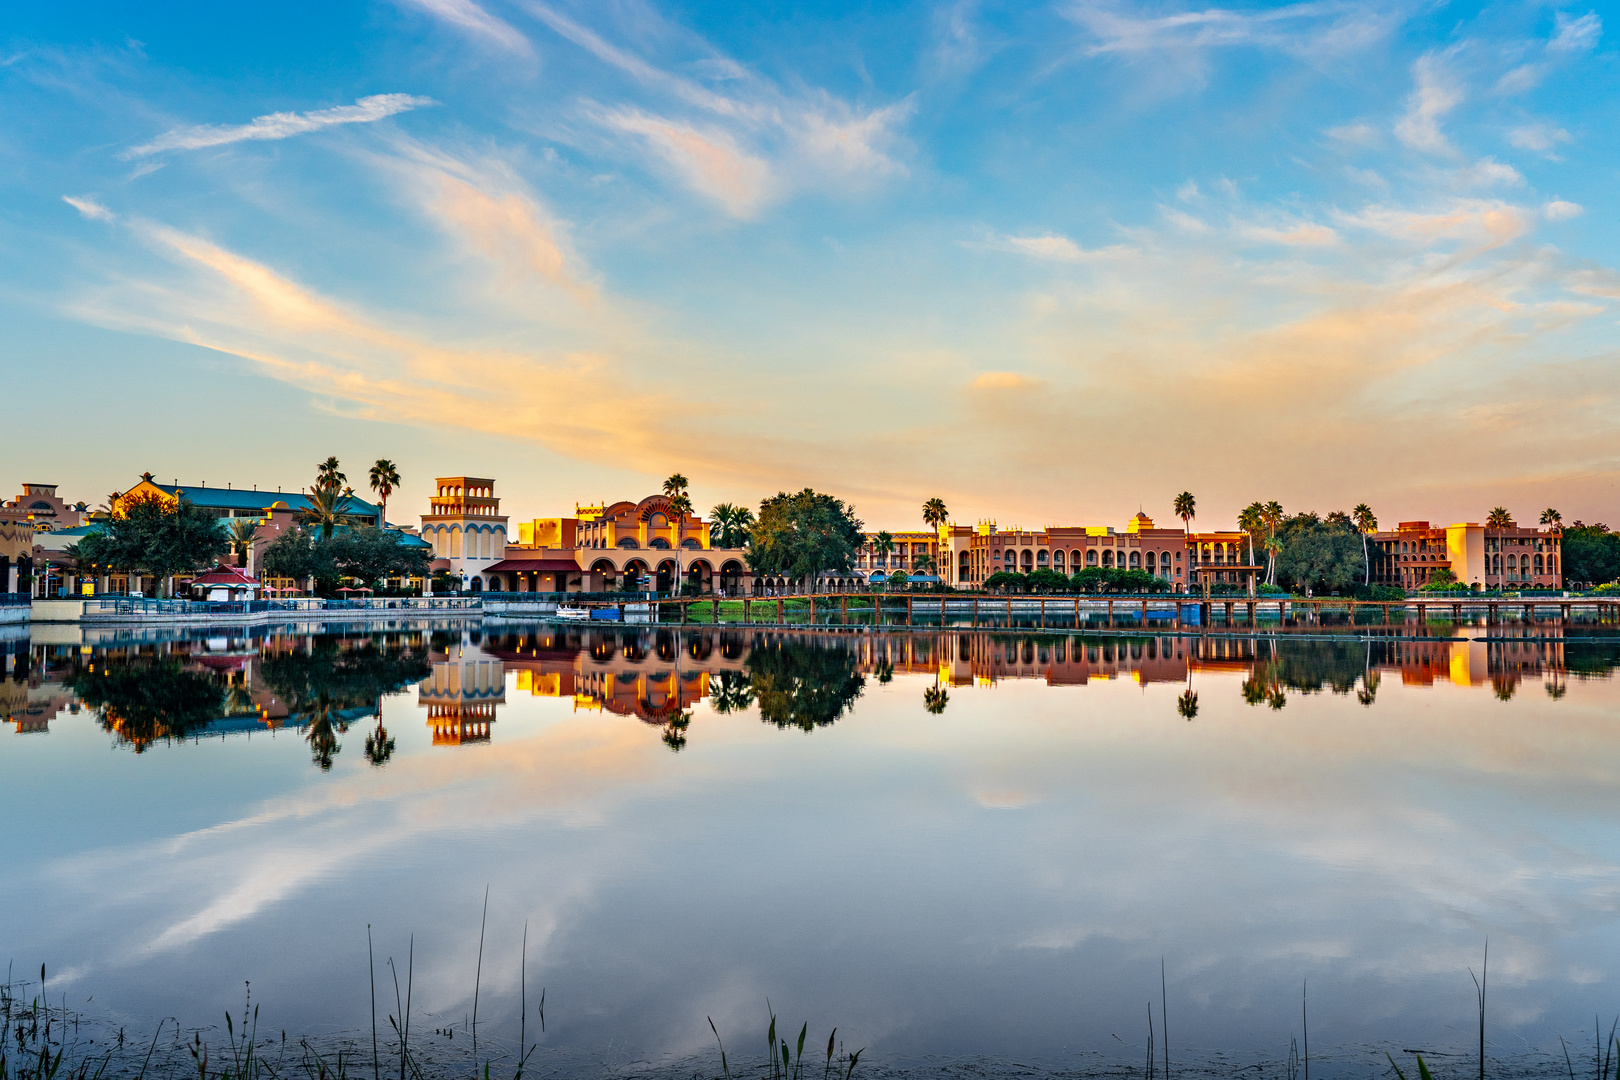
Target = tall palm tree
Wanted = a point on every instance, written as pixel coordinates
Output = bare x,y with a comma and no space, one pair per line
1272,519
384,479
327,509
242,532
1552,517
1499,518
883,544
935,698
675,485
1251,519
1186,508
934,513
1365,523
327,474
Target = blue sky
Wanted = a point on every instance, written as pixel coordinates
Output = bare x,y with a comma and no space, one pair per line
1051,262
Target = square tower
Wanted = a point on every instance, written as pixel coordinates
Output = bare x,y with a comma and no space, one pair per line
466,528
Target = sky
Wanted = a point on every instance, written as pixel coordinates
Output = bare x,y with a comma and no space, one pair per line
1050,262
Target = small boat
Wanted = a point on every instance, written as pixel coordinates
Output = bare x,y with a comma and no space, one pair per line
565,611
605,614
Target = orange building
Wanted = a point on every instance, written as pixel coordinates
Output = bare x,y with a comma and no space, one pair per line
1479,556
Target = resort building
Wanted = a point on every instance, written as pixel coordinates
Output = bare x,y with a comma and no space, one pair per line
1410,555
16,548
1069,549
462,694
45,511
1221,559
917,554
465,526
228,502
621,547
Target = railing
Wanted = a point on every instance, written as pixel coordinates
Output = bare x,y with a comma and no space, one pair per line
136,605
15,599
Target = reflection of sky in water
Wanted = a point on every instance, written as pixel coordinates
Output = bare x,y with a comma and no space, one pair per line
999,878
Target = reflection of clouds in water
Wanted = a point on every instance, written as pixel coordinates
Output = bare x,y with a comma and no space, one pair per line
873,872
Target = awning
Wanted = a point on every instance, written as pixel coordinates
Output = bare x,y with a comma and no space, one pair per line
534,566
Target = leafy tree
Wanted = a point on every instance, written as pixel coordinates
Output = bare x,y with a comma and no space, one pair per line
1443,580
730,691
1047,581
373,555
803,684
1499,518
1591,553
1317,555
300,554
1186,509
1007,581
156,536
899,579
733,523
1365,522
804,534
934,513
384,479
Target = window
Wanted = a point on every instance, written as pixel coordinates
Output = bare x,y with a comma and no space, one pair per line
1091,557
1040,557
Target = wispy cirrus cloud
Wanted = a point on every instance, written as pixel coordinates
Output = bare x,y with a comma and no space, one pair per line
1303,27
1436,93
748,146
472,19
280,125
1050,247
710,162
89,207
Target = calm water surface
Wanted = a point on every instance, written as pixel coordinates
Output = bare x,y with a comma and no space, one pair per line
948,844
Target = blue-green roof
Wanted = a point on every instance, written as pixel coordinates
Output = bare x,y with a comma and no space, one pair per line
238,499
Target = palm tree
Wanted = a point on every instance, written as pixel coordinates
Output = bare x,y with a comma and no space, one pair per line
733,522
934,513
327,509
1186,508
1499,518
242,533
1251,519
935,698
384,479
883,544
1365,523
675,485
379,744
327,474
1272,519
1552,517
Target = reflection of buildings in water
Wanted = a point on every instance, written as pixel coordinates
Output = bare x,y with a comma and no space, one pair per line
963,659
1472,662
30,709
461,694
651,676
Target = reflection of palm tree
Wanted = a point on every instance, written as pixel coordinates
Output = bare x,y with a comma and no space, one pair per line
1369,688
322,733
935,698
379,744
675,729
1187,703
884,670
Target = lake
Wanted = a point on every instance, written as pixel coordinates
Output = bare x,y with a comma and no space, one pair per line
964,849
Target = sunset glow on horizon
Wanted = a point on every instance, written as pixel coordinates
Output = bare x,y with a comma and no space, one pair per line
1051,263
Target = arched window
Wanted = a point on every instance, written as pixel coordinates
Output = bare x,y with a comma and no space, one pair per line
1538,564
1057,560
455,542
628,542
1524,564
477,584
1151,559
1091,557
1040,557
1029,561
1136,560
1108,557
